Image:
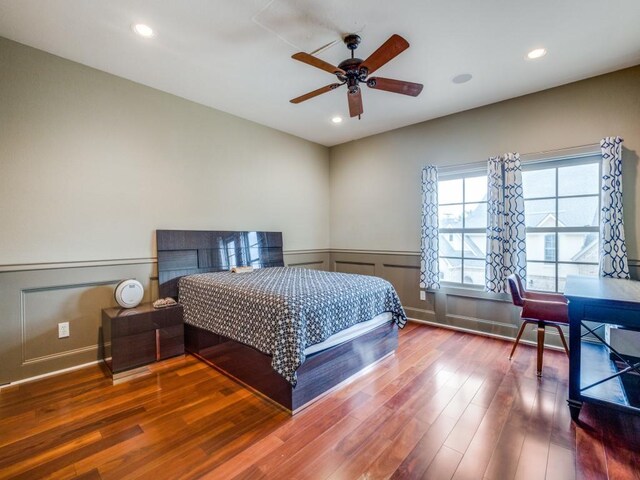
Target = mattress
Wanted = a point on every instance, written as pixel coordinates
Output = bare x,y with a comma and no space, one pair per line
349,334
282,311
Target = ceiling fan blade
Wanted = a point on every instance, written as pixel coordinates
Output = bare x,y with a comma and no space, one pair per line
316,62
395,86
387,51
315,93
355,103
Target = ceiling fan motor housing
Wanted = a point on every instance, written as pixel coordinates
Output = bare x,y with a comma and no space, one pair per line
353,73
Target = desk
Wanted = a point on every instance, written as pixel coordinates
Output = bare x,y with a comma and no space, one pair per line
593,377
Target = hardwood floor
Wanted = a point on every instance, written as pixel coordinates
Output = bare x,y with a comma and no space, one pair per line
447,405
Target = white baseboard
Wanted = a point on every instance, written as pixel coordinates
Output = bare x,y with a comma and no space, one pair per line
49,374
482,334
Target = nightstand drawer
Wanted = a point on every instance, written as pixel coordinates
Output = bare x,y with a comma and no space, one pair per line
133,351
132,321
171,341
168,317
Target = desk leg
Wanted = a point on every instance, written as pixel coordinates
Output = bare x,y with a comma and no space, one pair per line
575,343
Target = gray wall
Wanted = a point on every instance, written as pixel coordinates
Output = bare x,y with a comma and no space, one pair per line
375,185
96,163
375,181
92,164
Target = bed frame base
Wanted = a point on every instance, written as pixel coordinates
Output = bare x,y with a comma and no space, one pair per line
321,372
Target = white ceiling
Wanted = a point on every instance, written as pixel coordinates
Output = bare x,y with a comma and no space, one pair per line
234,55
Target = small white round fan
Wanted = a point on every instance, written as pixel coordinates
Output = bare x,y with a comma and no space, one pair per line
129,293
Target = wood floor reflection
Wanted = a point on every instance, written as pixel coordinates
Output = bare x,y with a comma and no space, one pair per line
446,405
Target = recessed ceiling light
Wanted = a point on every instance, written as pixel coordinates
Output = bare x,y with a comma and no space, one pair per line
336,119
462,78
537,53
143,30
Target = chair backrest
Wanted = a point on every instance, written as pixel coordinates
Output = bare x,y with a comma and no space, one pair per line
521,288
516,289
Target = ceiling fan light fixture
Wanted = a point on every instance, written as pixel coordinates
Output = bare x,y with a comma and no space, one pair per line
143,30
336,119
537,53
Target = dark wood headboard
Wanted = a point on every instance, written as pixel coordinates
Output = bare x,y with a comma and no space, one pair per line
185,252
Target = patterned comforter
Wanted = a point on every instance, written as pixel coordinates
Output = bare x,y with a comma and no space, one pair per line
281,311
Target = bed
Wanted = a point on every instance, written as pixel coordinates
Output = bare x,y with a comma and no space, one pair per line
290,334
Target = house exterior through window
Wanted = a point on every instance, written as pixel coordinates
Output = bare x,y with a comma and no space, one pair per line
462,220
562,215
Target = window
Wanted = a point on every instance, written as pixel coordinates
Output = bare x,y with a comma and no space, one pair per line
562,216
549,248
462,212
562,206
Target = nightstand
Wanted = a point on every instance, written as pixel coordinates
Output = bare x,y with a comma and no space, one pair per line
138,336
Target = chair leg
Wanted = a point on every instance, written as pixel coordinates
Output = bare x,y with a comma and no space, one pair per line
564,342
520,332
540,346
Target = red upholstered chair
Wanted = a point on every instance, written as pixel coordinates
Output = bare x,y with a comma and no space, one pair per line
541,309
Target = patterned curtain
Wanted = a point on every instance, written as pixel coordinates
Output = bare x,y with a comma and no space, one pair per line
429,267
506,232
613,250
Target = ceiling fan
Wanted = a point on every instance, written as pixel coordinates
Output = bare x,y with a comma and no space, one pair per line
354,71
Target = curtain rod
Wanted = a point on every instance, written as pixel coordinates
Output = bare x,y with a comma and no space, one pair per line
577,151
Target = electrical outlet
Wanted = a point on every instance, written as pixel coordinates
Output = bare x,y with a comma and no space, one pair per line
423,295
63,330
